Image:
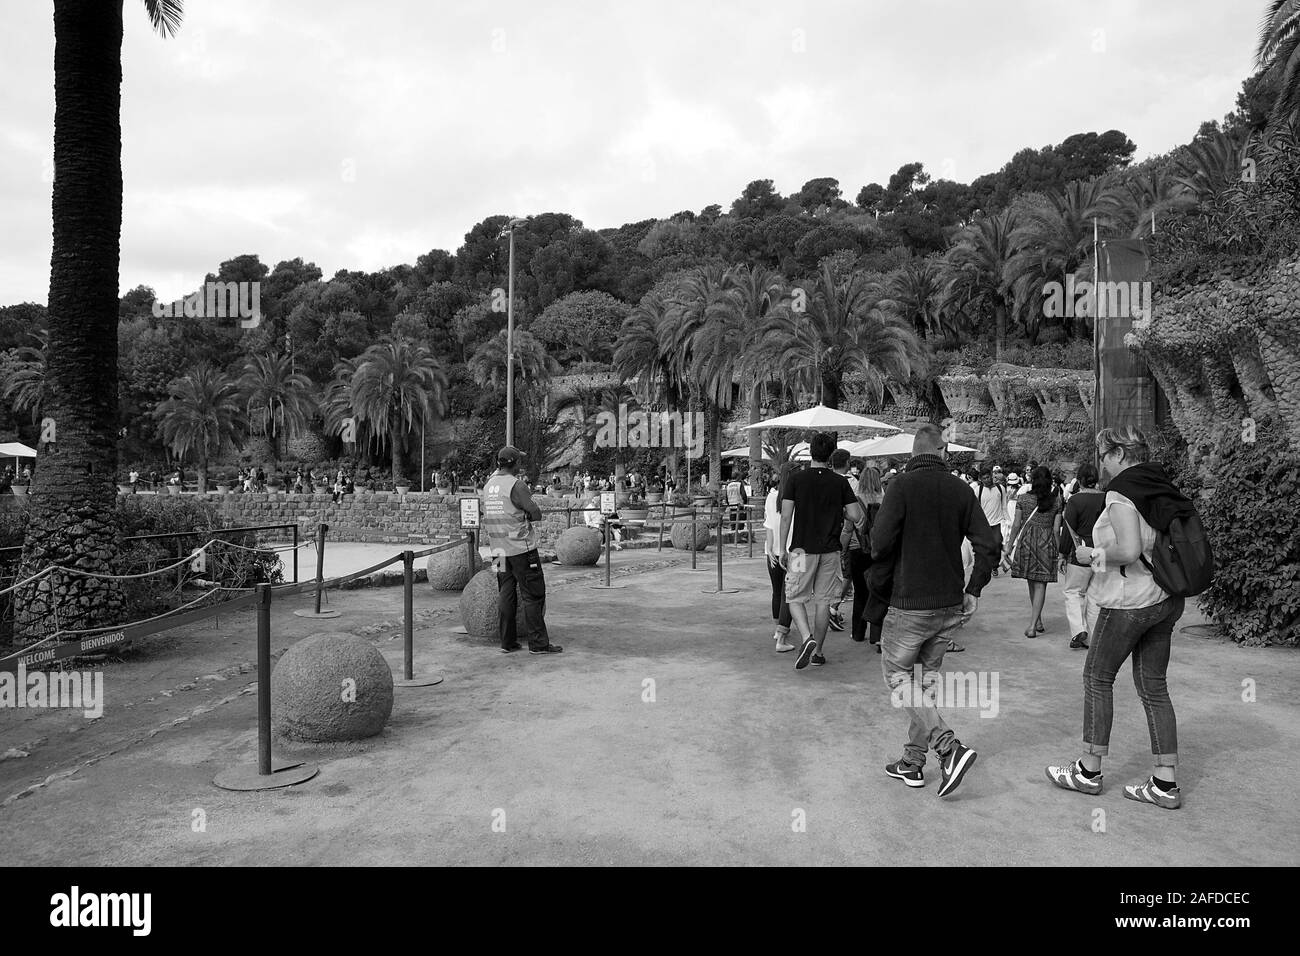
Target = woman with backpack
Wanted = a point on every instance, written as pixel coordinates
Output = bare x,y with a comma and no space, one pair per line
1136,615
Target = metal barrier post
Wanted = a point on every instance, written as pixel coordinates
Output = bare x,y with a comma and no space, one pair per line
663,516
320,576
749,532
720,589
471,544
568,517
263,680
695,543
609,536
267,776
408,582
408,678
295,552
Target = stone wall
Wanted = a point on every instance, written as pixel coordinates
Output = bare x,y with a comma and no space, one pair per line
1224,350
376,517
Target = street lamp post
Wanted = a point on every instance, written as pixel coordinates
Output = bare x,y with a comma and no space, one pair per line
510,335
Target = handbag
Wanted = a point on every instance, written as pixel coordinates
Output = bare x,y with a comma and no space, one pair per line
1020,534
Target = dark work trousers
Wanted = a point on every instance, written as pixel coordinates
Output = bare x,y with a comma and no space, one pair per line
525,570
859,562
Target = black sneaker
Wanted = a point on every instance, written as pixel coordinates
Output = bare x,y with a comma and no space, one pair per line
910,775
1080,640
817,660
837,620
548,649
512,649
954,766
805,652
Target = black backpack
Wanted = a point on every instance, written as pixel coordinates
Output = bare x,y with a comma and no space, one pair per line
1182,562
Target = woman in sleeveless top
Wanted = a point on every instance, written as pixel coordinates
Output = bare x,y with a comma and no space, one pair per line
1037,524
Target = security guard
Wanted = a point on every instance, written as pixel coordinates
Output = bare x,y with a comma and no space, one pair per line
508,515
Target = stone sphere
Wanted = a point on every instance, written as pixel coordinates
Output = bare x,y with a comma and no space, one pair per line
331,687
478,609
579,546
681,535
451,570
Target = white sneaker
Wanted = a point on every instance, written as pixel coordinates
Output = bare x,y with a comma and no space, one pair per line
782,645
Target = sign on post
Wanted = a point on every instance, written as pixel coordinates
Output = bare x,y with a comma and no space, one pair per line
469,514
607,500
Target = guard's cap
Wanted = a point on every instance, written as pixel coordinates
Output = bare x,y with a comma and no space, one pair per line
509,456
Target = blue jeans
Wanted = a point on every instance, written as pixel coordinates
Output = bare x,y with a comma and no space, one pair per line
1145,633
910,638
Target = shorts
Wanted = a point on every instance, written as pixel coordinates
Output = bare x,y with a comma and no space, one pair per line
813,578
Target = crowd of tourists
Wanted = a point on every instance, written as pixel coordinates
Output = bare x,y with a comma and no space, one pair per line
915,547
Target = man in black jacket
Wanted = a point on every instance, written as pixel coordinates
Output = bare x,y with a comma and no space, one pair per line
923,519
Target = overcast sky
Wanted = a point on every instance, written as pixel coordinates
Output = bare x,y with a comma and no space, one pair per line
361,135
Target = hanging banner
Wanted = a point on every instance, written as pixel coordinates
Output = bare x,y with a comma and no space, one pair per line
1121,297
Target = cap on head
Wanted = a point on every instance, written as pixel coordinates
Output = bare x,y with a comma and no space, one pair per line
509,456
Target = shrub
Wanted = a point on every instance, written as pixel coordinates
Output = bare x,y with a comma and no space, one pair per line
1253,520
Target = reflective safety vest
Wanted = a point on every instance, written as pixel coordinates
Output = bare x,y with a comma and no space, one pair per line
735,494
508,527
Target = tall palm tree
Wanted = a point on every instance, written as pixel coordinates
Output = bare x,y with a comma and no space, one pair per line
277,400
1211,164
1279,53
975,271
1145,200
845,330
914,292
642,359
758,293
201,411
690,338
26,384
398,384
1053,239
534,366
73,504
336,407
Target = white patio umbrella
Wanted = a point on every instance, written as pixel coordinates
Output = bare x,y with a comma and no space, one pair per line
823,418
892,446
16,450
743,452
799,451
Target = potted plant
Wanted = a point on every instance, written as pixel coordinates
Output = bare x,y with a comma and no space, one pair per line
274,485
173,489
224,481
124,485
403,485
19,485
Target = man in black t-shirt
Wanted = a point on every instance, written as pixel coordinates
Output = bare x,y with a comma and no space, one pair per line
815,502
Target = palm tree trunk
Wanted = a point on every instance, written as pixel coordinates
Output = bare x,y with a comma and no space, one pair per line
74,498
755,435
1000,331
399,460
830,390
713,429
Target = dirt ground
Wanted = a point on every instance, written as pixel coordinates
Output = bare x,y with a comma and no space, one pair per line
566,759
